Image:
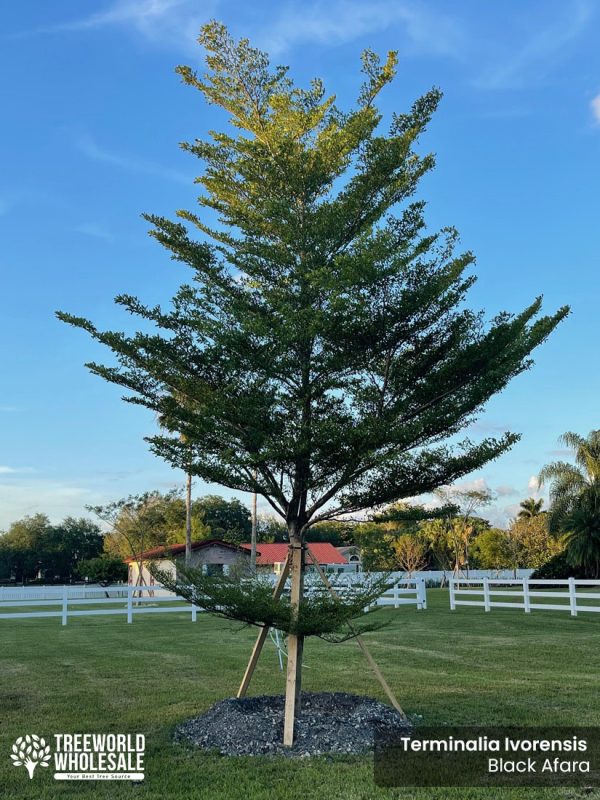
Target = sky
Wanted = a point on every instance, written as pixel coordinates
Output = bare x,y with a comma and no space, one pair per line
93,114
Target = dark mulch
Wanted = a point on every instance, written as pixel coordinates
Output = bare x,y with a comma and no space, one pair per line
329,722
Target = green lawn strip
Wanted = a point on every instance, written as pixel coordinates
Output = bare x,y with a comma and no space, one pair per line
99,674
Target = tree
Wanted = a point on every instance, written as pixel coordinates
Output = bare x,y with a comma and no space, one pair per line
410,553
33,548
151,519
492,550
103,570
226,519
530,507
324,343
574,493
337,532
464,525
66,545
376,544
533,542
271,529
581,525
22,546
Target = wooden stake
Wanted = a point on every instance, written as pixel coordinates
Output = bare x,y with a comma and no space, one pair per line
264,632
359,640
295,646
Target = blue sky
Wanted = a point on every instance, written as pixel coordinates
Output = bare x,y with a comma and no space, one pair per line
93,114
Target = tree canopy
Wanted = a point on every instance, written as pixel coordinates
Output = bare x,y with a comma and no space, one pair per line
322,355
575,500
323,345
33,548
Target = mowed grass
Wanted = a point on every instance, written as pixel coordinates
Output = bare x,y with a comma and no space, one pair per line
100,675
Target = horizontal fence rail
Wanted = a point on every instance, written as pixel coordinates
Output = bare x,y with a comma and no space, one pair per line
525,593
404,591
66,601
120,600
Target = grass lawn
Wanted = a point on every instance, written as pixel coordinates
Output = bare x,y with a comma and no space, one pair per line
100,675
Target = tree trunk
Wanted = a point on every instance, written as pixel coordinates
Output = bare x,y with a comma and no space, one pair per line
295,644
188,520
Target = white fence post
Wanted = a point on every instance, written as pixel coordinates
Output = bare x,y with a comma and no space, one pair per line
194,609
486,594
396,595
452,597
130,603
573,597
422,594
65,601
526,601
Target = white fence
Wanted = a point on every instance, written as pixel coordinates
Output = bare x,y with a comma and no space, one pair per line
405,591
130,600
525,593
123,600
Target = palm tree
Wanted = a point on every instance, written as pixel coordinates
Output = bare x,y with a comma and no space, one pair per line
530,508
575,499
582,524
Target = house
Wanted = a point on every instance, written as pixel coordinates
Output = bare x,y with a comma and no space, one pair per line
215,555
352,555
271,557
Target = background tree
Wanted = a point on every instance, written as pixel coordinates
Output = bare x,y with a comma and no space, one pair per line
225,519
464,525
22,547
533,542
411,553
139,522
376,543
530,507
324,344
581,526
34,549
271,528
574,499
103,570
339,533
492,550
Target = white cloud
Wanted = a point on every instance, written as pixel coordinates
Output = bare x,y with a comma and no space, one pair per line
92,150
94,230
533,484
346,20
595,107
12,470
506,491
172,22
55,499
545,47
474,485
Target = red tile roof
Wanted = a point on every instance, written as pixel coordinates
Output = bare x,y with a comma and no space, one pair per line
324,552
178,549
